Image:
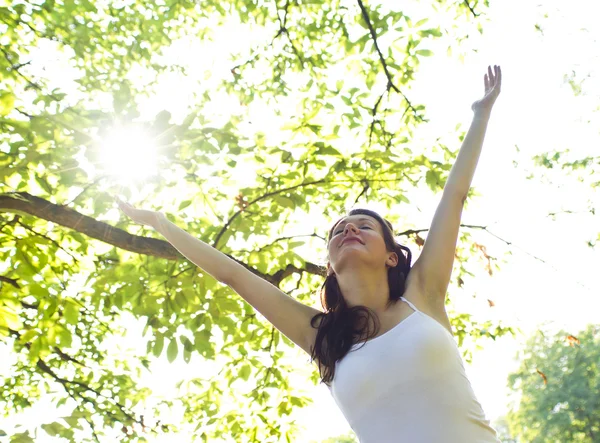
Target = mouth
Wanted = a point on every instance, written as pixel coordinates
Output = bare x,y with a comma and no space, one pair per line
351,240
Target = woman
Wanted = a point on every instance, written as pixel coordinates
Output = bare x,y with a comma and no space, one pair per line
383,344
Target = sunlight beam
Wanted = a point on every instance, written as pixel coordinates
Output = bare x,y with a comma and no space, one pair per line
129,154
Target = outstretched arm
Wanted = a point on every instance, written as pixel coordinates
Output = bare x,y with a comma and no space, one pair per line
434,266
288,315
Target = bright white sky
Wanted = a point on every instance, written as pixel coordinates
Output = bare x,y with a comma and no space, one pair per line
536,112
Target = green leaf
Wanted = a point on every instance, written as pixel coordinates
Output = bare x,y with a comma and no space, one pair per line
403,198
22,437
326,150
73,422
424,52
180,301
71,312
172,351
187,344
187,355
184,204
189,119
43,183
284,202
158,345
9,319
245,372
435,32
65,338
7,103
54,429
28,336
432,179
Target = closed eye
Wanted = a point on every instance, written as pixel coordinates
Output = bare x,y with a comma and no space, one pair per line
362,227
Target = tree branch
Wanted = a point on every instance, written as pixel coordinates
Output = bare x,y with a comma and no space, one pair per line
69,218
283,30
67,357
63,381
390,84
43,366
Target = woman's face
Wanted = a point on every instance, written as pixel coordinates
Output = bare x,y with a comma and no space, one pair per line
357,238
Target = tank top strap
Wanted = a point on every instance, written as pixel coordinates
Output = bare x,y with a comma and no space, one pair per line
409,304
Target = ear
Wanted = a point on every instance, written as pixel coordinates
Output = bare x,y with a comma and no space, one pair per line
329,269
392,260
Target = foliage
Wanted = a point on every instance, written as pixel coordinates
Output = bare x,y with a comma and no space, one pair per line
501,427
576,162
349,438
558,384
334,79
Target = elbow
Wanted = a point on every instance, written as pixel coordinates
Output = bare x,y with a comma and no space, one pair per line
227,278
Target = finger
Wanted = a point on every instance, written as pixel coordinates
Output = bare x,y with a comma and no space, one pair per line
499,76
486,82
490,75
124,206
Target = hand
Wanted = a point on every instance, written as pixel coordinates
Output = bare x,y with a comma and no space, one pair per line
141,216
493,82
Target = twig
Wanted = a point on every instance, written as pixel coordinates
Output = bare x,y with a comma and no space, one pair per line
51,240
280,239
10,281
365,189
262,197
63,381
374,113
466,2
283,30
390,83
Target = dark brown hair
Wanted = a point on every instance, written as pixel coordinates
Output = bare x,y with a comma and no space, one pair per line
342,326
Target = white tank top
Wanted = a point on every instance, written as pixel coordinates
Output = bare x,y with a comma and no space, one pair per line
409,385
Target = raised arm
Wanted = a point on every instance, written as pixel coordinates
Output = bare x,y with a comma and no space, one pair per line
434,266
291,317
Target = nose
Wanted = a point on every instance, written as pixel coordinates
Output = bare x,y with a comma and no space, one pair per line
347,228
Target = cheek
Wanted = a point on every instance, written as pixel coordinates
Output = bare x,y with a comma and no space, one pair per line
333,248
330,249
334,242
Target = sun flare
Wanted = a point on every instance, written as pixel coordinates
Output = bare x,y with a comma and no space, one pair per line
129,154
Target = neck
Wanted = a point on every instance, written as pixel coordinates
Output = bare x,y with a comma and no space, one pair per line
365,287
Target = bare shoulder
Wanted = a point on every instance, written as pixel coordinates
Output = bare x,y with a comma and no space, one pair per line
430,304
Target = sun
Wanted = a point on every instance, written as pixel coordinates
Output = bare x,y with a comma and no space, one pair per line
129,155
